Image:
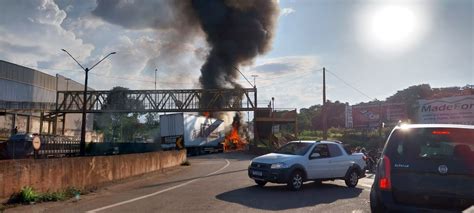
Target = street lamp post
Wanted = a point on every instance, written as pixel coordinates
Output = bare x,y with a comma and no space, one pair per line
84,101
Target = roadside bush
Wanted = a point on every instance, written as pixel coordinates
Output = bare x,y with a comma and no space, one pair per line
52,196
28,195
72,192
370,139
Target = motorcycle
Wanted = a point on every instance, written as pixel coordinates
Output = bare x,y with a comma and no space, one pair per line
370,161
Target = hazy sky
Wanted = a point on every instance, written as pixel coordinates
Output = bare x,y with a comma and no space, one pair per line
377,47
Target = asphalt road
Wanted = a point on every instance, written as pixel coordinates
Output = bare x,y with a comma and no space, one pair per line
213,183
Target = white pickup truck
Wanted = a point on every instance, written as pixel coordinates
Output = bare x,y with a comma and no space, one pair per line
300,161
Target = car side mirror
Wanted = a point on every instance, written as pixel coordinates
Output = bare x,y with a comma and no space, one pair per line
315,155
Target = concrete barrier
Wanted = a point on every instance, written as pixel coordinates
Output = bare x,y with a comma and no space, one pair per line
80,172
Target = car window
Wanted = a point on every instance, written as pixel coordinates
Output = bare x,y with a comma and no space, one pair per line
298,148
334,150
322,150
431,143
347,149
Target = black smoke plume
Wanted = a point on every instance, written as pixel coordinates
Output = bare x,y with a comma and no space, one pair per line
237,31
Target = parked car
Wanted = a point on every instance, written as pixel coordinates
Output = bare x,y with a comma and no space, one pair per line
300,161
19,146
425,167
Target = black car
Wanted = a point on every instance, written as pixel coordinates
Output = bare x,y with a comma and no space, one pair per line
425,168
18,146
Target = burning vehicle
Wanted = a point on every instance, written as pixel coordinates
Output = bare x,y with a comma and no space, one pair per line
199,134
233,139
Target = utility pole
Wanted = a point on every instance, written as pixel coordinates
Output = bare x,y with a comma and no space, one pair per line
156,70
273,114
254,77
248,112
155,114
325,124
82,144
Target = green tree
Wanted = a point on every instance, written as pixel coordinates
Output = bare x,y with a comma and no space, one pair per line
410,97
119,127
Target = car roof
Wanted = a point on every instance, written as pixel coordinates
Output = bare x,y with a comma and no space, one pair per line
308,141
458,126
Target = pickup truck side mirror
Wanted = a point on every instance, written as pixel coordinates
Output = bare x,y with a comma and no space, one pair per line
315,155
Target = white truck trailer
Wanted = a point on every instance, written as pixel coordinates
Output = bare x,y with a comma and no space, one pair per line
197,134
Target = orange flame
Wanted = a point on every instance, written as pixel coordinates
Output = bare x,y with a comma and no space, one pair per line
233,140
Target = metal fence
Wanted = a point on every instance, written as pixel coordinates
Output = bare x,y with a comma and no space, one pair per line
21,146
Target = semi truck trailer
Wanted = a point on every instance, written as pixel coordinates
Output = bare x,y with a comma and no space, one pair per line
197,134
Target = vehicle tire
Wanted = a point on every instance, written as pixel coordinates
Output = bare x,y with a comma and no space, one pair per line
352,178
376,206
295,182
260,183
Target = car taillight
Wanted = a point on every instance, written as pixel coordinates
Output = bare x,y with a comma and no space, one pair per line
384,180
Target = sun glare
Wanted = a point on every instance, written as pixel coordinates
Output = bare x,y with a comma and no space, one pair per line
392,27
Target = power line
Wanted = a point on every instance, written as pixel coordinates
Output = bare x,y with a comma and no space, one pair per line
349,85
243,76
306,73
112,77
300,73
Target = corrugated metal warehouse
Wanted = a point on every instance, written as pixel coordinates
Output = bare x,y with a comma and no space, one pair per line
25,93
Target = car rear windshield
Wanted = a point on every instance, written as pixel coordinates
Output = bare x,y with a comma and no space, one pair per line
431,143
294,148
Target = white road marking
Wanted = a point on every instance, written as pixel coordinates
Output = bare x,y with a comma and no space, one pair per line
156,193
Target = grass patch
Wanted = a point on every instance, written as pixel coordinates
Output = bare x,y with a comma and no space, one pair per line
28,195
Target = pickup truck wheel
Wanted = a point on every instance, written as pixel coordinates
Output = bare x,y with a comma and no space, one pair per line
352,178
295,182
260,183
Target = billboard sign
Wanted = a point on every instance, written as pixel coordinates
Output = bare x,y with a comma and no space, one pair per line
451,110
371,115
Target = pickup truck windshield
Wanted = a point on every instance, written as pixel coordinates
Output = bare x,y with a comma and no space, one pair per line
295,148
